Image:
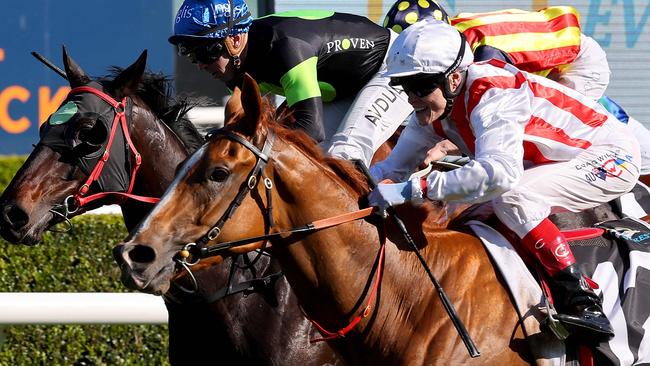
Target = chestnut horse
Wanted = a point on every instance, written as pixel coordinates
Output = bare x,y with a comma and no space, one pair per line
262,328
332,270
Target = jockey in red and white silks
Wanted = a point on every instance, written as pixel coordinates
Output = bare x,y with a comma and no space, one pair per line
547,42
513,124
537,147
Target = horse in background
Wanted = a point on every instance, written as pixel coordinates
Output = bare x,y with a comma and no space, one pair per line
260,328
332,270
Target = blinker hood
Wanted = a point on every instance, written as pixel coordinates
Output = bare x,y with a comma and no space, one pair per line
59,131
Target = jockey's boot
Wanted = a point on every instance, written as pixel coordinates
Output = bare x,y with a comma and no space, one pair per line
580,308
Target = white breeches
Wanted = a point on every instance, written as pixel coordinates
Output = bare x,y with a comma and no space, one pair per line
357,126
599,174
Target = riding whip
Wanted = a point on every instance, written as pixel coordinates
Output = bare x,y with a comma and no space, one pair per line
49,64
449,307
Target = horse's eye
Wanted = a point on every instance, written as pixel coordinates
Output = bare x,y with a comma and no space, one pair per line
94,134
84,133
219,174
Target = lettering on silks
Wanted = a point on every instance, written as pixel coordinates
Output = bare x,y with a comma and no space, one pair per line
339,45
382,104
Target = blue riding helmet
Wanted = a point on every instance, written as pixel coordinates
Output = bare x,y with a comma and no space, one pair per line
406,12
208,19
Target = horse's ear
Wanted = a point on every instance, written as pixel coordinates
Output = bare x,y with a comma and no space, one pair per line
251,101
233,106
76,76
129,79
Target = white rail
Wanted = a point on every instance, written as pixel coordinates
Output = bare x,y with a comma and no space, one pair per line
81,308
47,308
206,115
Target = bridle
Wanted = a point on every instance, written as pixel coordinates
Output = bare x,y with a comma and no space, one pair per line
74,202
193,252
199,248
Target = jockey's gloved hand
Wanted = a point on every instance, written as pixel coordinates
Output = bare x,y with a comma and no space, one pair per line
391,194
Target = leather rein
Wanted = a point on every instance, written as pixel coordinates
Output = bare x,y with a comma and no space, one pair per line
193,252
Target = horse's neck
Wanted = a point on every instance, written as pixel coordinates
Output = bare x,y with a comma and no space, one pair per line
332,273
161,152
327,259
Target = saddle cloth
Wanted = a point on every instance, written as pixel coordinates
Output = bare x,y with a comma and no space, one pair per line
618,262
635,203
527,295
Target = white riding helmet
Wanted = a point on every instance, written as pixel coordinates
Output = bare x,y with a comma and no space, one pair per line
428,47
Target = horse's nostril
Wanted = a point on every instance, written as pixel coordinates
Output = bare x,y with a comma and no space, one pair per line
142,254
15,216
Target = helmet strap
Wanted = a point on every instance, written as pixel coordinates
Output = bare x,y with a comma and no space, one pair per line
450,96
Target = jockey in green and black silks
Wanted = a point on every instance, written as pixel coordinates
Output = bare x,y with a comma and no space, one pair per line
327,65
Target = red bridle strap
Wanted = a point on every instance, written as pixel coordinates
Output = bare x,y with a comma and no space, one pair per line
120,118
308,228
366,310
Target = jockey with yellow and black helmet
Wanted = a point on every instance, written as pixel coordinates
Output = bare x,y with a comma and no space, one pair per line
328,65
404,13
546,42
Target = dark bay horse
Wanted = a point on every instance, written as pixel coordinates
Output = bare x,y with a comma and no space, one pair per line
333,270
261,328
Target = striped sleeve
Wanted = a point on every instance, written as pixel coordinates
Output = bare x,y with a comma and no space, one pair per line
537,42
498,105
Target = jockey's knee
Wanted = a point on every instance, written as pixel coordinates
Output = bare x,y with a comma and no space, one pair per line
350,149
519,213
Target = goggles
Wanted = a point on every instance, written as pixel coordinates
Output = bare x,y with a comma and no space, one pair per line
205,53
420,85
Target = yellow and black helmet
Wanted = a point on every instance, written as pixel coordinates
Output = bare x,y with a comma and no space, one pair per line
406,12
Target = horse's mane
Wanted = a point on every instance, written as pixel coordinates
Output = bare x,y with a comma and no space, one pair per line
156,91
341,169
436,214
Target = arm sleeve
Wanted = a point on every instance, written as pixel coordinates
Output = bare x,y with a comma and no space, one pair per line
409,152
300,85
498,121
308,114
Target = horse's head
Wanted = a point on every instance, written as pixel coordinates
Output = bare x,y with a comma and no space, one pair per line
72,143
204,187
